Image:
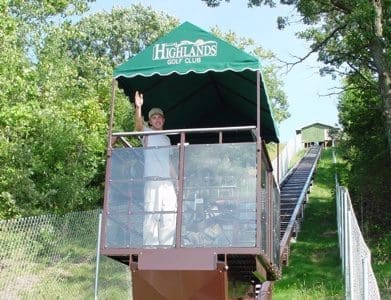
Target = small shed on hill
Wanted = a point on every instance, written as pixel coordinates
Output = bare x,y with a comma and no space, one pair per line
317,134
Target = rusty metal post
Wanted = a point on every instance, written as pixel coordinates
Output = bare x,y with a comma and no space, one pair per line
259,162
180,191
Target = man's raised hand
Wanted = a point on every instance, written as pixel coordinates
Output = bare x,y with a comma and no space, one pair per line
138,99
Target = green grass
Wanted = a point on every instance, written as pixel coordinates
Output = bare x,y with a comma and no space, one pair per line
383,277
314,270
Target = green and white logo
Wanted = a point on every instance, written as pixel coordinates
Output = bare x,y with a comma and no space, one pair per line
184,51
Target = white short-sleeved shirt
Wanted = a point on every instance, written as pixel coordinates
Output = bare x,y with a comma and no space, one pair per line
156,155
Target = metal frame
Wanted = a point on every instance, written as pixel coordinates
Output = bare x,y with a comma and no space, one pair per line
182,132
197,259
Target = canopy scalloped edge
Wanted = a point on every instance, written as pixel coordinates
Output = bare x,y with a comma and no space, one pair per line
183,73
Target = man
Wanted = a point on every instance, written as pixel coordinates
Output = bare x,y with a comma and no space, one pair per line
160,202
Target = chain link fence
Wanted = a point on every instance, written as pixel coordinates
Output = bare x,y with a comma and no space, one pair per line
360,280
54,257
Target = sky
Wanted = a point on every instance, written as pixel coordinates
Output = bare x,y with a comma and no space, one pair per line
306,90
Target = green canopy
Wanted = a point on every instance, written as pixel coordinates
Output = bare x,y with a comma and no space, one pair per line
199,81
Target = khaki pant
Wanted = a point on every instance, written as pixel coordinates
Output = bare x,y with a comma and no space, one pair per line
160,213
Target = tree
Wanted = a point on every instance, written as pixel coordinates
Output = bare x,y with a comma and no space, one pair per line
274,85
36,136
120,34
54,104
349,37
250,3
364,148
354,39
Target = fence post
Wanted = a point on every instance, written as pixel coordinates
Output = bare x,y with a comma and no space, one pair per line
344,232
339,222
97,258
365,277
350,255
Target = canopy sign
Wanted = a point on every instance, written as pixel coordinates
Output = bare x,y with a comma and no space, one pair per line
184,52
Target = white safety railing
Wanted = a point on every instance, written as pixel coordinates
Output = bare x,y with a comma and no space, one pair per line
360,281
281,168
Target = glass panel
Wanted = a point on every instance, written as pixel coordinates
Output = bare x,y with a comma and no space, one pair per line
127,164
219,196
142,201
124,230
126,196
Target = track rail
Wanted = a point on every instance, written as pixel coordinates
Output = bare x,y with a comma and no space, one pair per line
294,193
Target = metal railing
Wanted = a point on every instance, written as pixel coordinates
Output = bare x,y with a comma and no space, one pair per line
360,281
216,188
